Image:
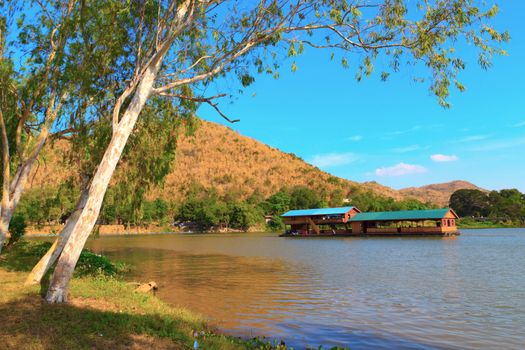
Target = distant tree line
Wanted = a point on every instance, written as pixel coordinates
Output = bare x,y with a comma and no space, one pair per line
508,204
203,208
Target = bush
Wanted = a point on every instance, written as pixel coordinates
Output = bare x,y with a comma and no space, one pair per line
26,254
243,216
91,264
17,228
276,224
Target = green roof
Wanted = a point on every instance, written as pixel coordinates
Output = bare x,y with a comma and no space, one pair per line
402,215
318,211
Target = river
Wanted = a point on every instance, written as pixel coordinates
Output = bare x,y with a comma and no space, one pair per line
365,293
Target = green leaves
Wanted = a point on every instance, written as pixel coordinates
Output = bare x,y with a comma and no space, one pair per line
246,80
344,62
291,50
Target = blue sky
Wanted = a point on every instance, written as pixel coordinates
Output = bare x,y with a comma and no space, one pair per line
395,132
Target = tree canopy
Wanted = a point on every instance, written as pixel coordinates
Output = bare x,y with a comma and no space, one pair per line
506,204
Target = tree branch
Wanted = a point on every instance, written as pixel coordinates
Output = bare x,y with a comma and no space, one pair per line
203,99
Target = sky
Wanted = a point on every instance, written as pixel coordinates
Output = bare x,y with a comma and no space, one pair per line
395,132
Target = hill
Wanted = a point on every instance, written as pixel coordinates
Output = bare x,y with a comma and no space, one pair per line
239,166
438,193
216,156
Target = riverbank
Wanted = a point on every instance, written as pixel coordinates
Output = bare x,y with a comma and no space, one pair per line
466,223
103,313
53,230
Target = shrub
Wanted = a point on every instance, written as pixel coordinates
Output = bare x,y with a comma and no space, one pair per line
26,254
276,224
17,228
91,264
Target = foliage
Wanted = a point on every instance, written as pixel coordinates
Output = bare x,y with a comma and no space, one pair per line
145,163
480,223
507,204
276,224
277,203
91,264
370,201
470,202
205,208
55,90
242,216
155,211
49,204
17,228
244,41
23,256
337,198
302,197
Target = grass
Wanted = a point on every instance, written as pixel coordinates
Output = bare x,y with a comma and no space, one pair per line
466,223
104,312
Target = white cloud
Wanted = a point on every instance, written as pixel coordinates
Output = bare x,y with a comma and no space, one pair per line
406,131
355,138
400,170
471,138
333,159
406,149
440,158
502,144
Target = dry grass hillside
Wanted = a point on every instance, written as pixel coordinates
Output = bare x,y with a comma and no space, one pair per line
438,193
216,156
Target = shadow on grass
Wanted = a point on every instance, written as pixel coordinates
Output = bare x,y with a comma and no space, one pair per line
29,322
93,319
23,256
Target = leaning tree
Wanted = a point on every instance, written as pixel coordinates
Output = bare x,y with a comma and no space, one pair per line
57,74
179,47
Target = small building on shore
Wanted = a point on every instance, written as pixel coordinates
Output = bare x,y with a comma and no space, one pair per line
352,222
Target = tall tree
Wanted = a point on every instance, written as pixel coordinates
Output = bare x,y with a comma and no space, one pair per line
33,104
470,202
178,45
57,89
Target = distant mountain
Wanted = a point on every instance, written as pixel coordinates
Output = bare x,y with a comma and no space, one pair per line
216,156
438,193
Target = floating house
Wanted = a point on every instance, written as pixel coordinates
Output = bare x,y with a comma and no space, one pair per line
350,221
320,221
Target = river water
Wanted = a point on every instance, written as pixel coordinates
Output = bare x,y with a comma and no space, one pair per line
365,293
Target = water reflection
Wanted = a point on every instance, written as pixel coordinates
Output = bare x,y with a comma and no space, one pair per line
366,293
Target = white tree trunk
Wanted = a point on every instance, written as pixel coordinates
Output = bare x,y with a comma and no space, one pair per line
17,187
4,227
54,252
58,287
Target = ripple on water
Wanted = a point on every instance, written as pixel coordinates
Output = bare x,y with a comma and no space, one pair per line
466,293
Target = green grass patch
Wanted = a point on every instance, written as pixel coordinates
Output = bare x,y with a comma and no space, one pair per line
468,223
25,254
